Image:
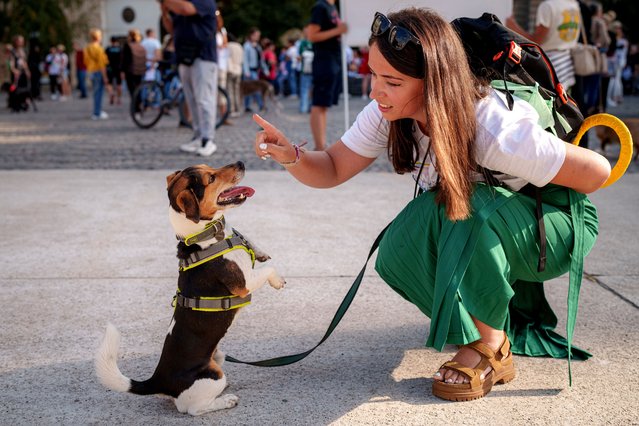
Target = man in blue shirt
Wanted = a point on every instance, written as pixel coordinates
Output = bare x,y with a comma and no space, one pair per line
193,24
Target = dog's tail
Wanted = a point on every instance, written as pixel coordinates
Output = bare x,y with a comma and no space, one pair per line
106,367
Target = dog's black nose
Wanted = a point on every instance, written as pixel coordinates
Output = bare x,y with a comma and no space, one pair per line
240,165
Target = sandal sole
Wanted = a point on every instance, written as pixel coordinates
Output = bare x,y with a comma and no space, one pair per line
461,392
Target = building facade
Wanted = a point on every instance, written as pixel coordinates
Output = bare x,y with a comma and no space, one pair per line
115,17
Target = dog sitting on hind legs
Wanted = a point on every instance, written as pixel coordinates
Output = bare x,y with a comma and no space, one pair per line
216,278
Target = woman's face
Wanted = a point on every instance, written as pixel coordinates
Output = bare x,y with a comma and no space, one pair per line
398,95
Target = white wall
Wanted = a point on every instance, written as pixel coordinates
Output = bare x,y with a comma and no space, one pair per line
358,14
147,15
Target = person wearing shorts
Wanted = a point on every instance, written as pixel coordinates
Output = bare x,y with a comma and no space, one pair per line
324,32
114,70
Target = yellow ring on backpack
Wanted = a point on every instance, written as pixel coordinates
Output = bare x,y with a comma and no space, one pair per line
625,139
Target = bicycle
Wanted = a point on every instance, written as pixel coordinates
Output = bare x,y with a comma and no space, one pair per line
156,98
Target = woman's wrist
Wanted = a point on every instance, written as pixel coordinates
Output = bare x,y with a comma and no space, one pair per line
298,152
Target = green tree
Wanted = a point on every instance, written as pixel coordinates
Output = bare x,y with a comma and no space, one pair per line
42,18
272,17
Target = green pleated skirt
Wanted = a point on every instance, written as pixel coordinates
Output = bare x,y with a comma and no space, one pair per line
485,266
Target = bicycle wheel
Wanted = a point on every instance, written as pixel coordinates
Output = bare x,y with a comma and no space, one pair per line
147,104
223,106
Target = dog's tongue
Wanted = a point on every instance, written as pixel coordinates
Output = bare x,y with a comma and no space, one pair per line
236,191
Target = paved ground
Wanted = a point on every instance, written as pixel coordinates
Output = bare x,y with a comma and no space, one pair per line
85,240
61,136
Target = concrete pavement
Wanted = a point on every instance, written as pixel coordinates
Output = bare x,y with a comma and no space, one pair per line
83,246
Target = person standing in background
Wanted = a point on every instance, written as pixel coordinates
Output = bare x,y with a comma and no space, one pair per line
324,32
600,38
306,74
251,66
20,75
365,72
234,74
33,62
556,31
292,52
52,62
133,62
609,17
222,42
194,25
269,68
618,62
153,49
96,61
114,70
65,83
80,70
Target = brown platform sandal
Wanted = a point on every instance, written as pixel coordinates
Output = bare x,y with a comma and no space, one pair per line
503,371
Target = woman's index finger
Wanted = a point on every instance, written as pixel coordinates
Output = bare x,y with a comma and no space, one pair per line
268,127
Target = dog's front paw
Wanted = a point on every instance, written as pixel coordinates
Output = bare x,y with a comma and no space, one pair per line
262,257
229,400
277,282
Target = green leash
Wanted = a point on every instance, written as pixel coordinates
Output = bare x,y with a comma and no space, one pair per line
343,307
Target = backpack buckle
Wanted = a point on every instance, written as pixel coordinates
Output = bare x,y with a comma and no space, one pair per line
561,93
514,52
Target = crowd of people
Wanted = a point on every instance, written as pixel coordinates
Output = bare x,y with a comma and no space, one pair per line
558,29
306,66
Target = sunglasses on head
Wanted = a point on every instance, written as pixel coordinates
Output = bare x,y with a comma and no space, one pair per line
398,37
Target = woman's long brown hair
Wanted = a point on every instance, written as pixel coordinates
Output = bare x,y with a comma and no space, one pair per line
450,94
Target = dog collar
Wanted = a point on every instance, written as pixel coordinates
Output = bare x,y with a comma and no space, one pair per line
210,304
212,229
235,242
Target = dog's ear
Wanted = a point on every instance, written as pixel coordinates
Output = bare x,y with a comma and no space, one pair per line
187,202
170,178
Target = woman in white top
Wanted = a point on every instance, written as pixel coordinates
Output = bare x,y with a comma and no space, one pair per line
461,250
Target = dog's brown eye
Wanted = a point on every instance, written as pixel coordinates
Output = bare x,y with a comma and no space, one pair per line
211,178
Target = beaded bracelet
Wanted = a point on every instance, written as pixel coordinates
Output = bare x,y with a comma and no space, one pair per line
298,149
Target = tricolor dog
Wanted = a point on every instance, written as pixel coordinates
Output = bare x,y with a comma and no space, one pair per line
216,278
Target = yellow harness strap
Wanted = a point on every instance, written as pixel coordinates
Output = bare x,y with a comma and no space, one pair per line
235,242
210,304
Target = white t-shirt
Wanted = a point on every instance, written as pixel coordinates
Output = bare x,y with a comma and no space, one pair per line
293,53
236,56
222,51
151,45
562,19
509,142
55,63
